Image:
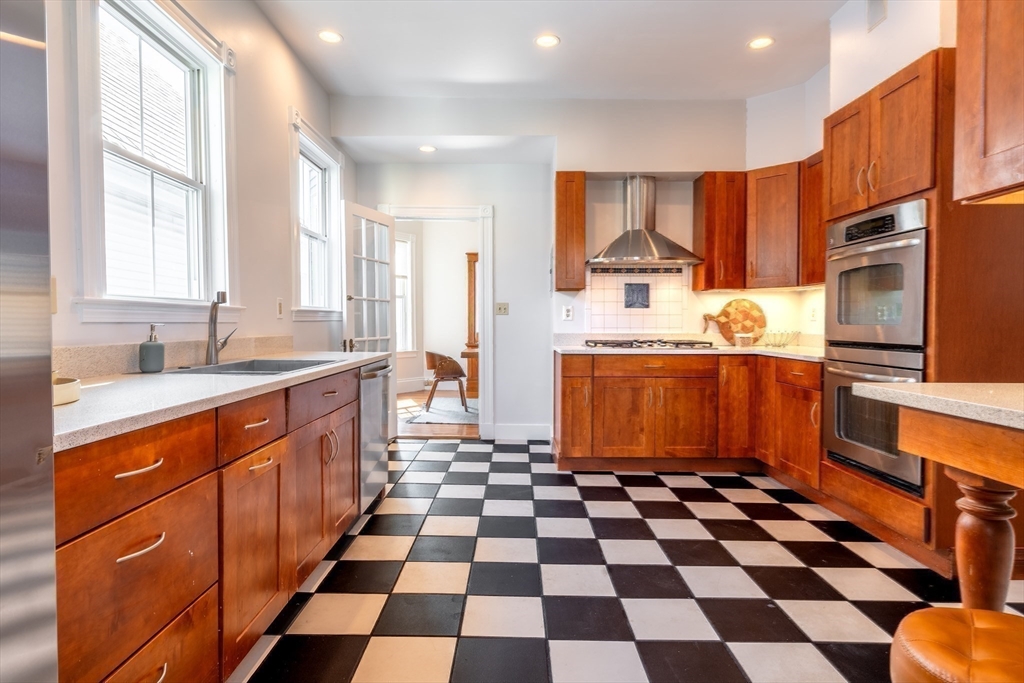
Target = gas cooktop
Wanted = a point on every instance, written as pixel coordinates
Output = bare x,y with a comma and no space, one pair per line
648,343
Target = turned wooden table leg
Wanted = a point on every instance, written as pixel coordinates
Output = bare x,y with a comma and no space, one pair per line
984,540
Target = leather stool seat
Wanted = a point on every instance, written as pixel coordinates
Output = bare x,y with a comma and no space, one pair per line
942,645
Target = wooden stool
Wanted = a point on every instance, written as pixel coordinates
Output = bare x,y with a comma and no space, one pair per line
942,645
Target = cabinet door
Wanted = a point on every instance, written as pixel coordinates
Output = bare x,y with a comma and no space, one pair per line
687,417
257,547
773,216
570,230
846,159
576,417
812,221
798,432
736,405
719,230
342,471
764,411
989,120
311,447
623,417
902,133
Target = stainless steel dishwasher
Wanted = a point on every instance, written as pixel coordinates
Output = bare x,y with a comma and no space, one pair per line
374,404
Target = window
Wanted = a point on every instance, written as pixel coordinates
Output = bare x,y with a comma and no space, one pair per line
405,326
313,233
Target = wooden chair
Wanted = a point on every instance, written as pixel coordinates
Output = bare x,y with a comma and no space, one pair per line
446,369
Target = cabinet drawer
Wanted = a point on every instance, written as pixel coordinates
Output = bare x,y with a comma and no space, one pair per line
99,481
312,400
661,365
799,373
122,583
898,511
246,425
187,650
576,365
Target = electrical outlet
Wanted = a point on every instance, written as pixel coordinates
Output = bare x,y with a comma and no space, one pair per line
567,312
814,314
280,307
501,309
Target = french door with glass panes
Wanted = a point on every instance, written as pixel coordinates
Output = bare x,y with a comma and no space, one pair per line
369,286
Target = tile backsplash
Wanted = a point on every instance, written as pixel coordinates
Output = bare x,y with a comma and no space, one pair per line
606,311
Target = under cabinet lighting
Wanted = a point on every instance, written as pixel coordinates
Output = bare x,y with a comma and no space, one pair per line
547,40
761,43
330,36
428,148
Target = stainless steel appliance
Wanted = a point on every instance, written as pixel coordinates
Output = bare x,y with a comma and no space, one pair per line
28,601
374,406
875,282
648,343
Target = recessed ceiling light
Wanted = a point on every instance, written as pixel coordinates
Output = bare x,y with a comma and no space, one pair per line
428,148
547,40
330,36
761,43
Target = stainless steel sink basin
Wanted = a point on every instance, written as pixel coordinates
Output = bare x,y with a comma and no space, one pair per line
258,366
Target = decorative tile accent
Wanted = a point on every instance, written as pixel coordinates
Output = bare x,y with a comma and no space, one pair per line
638,295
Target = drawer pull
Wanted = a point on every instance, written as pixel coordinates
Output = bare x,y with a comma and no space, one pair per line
125,475
655,367
258,424
163,674
261,465
798,374
332,392
142,552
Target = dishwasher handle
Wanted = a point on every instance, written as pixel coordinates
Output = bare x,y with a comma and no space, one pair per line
381,372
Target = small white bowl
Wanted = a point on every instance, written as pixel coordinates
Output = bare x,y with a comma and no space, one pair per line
66,390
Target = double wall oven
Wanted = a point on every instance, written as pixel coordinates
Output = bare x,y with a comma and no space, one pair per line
875,283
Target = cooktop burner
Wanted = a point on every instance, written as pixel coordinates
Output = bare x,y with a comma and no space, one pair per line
648,343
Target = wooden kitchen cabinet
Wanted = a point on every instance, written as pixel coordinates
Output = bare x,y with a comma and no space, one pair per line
570,231
737,394
342,470
624,417
719,230
798,432
257,547
685,417
773,216
812,221
764,411
311,448
845,156
575,417
989,121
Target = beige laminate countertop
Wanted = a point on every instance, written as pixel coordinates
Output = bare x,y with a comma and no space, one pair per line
808,353
998,404
123,403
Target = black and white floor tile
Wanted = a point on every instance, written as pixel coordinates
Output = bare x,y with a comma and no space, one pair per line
484,563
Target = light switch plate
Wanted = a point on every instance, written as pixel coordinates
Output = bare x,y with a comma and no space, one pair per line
501,309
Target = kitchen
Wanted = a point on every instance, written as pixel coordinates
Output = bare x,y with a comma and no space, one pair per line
754,484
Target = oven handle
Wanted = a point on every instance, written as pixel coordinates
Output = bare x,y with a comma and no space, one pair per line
869,377
854,251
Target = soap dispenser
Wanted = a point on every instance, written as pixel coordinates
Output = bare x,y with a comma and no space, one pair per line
151,352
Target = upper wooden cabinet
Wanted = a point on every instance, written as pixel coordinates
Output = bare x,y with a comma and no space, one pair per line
812,221
989,122
773,215
570,230
719,230
881,146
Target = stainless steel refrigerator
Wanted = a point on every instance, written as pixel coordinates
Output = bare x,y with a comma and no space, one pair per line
28,600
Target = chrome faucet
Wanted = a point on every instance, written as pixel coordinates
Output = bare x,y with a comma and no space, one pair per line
214,345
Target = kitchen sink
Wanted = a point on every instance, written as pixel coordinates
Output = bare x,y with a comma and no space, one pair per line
258,366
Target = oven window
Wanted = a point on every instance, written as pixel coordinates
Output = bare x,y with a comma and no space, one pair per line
872,424
871,295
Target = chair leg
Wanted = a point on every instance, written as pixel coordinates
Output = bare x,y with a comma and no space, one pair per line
462,392
430,398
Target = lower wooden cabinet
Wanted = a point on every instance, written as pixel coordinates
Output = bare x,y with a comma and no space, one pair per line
685,417
624,417
257,547
798,432
737,394
342,471
575,417
764,411
311,448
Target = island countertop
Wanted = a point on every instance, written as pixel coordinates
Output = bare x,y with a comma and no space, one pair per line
117,404
997,404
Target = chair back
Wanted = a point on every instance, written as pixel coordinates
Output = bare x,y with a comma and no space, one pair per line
444,367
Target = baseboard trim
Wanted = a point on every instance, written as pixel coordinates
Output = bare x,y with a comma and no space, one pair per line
514,432
659,464
408,386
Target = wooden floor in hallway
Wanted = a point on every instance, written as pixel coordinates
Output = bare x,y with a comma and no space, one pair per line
409,406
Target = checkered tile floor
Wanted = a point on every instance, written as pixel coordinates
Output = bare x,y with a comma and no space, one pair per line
483,563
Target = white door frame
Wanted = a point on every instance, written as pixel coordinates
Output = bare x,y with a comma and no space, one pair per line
483,216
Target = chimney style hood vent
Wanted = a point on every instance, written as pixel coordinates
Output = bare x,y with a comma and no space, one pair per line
639,244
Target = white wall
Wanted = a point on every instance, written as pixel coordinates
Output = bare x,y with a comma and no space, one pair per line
445,286
786,125
269,79
523,210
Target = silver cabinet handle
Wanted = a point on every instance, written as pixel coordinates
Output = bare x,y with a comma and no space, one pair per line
142,552
661,396
798,374
125,475
330,455
261,465
163,674
721,269
332,392
859,174
655,367
336,440
814,408
258,424
871,185
650,396
869,377
586,397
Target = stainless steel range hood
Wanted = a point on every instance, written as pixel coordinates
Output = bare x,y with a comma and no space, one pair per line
639,244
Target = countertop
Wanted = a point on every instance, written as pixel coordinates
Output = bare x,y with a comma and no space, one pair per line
998,404
123,403
808,353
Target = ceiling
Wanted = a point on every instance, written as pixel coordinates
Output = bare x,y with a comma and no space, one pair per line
611,49
451,149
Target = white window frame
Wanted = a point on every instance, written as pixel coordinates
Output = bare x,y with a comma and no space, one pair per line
410,293
305,140
167,21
